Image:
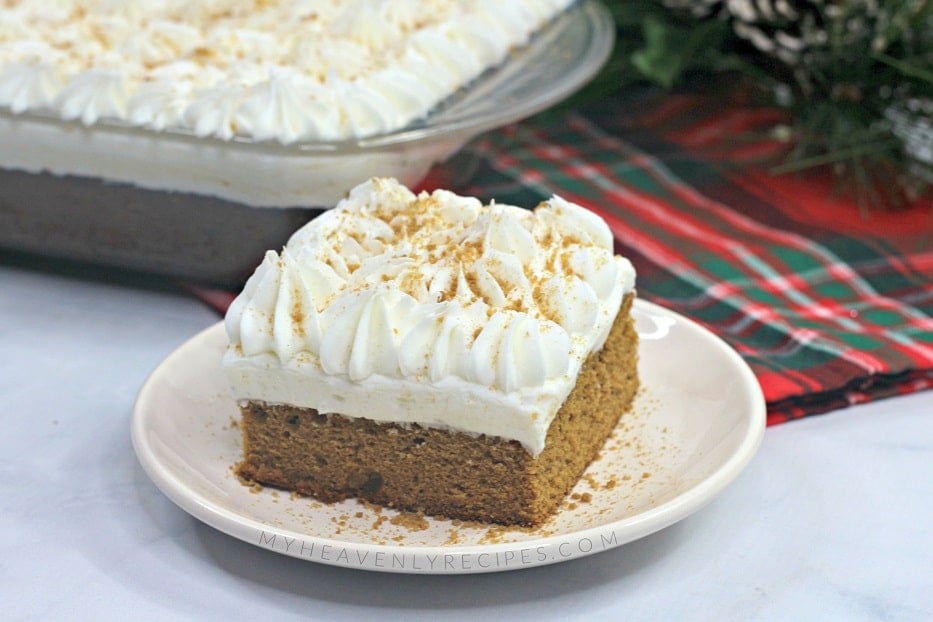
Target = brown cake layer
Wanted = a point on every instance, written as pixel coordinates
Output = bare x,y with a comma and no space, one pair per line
439,473
175,234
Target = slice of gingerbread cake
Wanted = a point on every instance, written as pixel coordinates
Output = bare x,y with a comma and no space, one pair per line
433,354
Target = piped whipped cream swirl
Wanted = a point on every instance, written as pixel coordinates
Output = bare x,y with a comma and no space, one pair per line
283,70
432,309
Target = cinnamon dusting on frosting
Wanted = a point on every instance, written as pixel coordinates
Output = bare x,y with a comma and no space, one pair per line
318,70
429,288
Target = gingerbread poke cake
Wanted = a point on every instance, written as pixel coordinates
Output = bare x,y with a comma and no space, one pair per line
433,354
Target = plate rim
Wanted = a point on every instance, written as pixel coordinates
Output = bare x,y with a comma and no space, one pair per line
646,522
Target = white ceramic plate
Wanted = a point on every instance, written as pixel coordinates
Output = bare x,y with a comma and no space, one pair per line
695,425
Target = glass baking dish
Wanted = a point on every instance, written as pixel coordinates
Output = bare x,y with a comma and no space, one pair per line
205,209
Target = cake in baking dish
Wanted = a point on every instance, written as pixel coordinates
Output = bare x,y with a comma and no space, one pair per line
433,354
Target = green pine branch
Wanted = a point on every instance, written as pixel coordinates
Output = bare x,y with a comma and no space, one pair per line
837,95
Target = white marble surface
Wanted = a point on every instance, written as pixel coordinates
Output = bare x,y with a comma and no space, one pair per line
831,521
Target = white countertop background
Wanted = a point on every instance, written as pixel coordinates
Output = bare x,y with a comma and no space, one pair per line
832,520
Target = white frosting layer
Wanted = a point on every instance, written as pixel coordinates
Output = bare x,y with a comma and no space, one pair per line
284,70
431,309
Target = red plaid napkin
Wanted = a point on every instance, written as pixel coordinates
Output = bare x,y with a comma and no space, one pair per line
829,304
